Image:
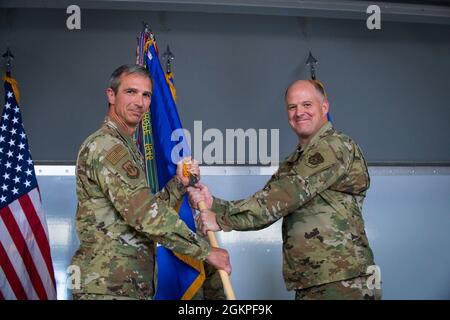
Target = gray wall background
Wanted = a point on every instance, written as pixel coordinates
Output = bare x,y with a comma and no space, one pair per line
389,89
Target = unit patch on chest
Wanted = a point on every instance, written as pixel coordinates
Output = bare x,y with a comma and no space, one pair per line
131,170
315,159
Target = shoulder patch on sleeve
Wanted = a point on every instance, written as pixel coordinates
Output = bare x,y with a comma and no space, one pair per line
116,154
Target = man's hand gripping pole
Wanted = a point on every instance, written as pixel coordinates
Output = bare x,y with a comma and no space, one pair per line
229,293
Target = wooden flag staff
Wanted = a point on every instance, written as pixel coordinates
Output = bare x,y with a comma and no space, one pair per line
229,293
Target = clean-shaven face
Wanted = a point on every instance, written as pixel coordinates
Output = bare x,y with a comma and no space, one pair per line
306,108
132,99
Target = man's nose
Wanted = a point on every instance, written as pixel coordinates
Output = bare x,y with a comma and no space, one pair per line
299,111
140,100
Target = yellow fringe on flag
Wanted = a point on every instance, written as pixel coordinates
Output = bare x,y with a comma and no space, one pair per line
13,84
169,77
194,263
196,285
148,44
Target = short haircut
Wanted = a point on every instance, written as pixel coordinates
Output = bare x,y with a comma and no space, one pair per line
318,85
126,69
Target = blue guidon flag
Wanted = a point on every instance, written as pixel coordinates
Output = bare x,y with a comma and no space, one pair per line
179,276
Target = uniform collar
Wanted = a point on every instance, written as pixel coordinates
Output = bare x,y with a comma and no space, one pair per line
109,122
324,131
321,133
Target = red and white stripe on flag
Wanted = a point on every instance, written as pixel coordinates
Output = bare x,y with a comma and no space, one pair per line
26,270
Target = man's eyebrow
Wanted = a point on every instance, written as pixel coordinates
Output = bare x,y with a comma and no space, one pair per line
301,102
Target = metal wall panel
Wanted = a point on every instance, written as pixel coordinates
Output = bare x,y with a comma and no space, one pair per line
407,215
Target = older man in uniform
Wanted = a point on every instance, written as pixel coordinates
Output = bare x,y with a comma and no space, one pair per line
318,191
118,219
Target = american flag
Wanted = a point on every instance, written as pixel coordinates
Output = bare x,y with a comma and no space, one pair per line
26,270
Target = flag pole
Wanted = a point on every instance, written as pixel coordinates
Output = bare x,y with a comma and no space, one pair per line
168,55
311,62
9,57
229,293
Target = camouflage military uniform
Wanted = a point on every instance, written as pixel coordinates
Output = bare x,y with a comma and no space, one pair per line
93,296
351,289
119,220
318,191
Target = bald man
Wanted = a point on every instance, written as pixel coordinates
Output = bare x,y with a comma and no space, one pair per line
318,191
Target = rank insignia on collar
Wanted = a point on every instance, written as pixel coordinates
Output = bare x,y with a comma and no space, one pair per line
131,170
315,159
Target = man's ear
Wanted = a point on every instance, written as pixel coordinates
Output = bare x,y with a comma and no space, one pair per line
325,106
111,96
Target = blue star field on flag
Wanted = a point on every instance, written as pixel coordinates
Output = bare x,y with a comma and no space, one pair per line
16,169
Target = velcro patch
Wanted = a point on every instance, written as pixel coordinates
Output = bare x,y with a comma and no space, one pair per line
315,160
116,153
131,170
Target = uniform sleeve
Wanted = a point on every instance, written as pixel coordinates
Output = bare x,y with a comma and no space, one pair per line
173,192
319,169
125,186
